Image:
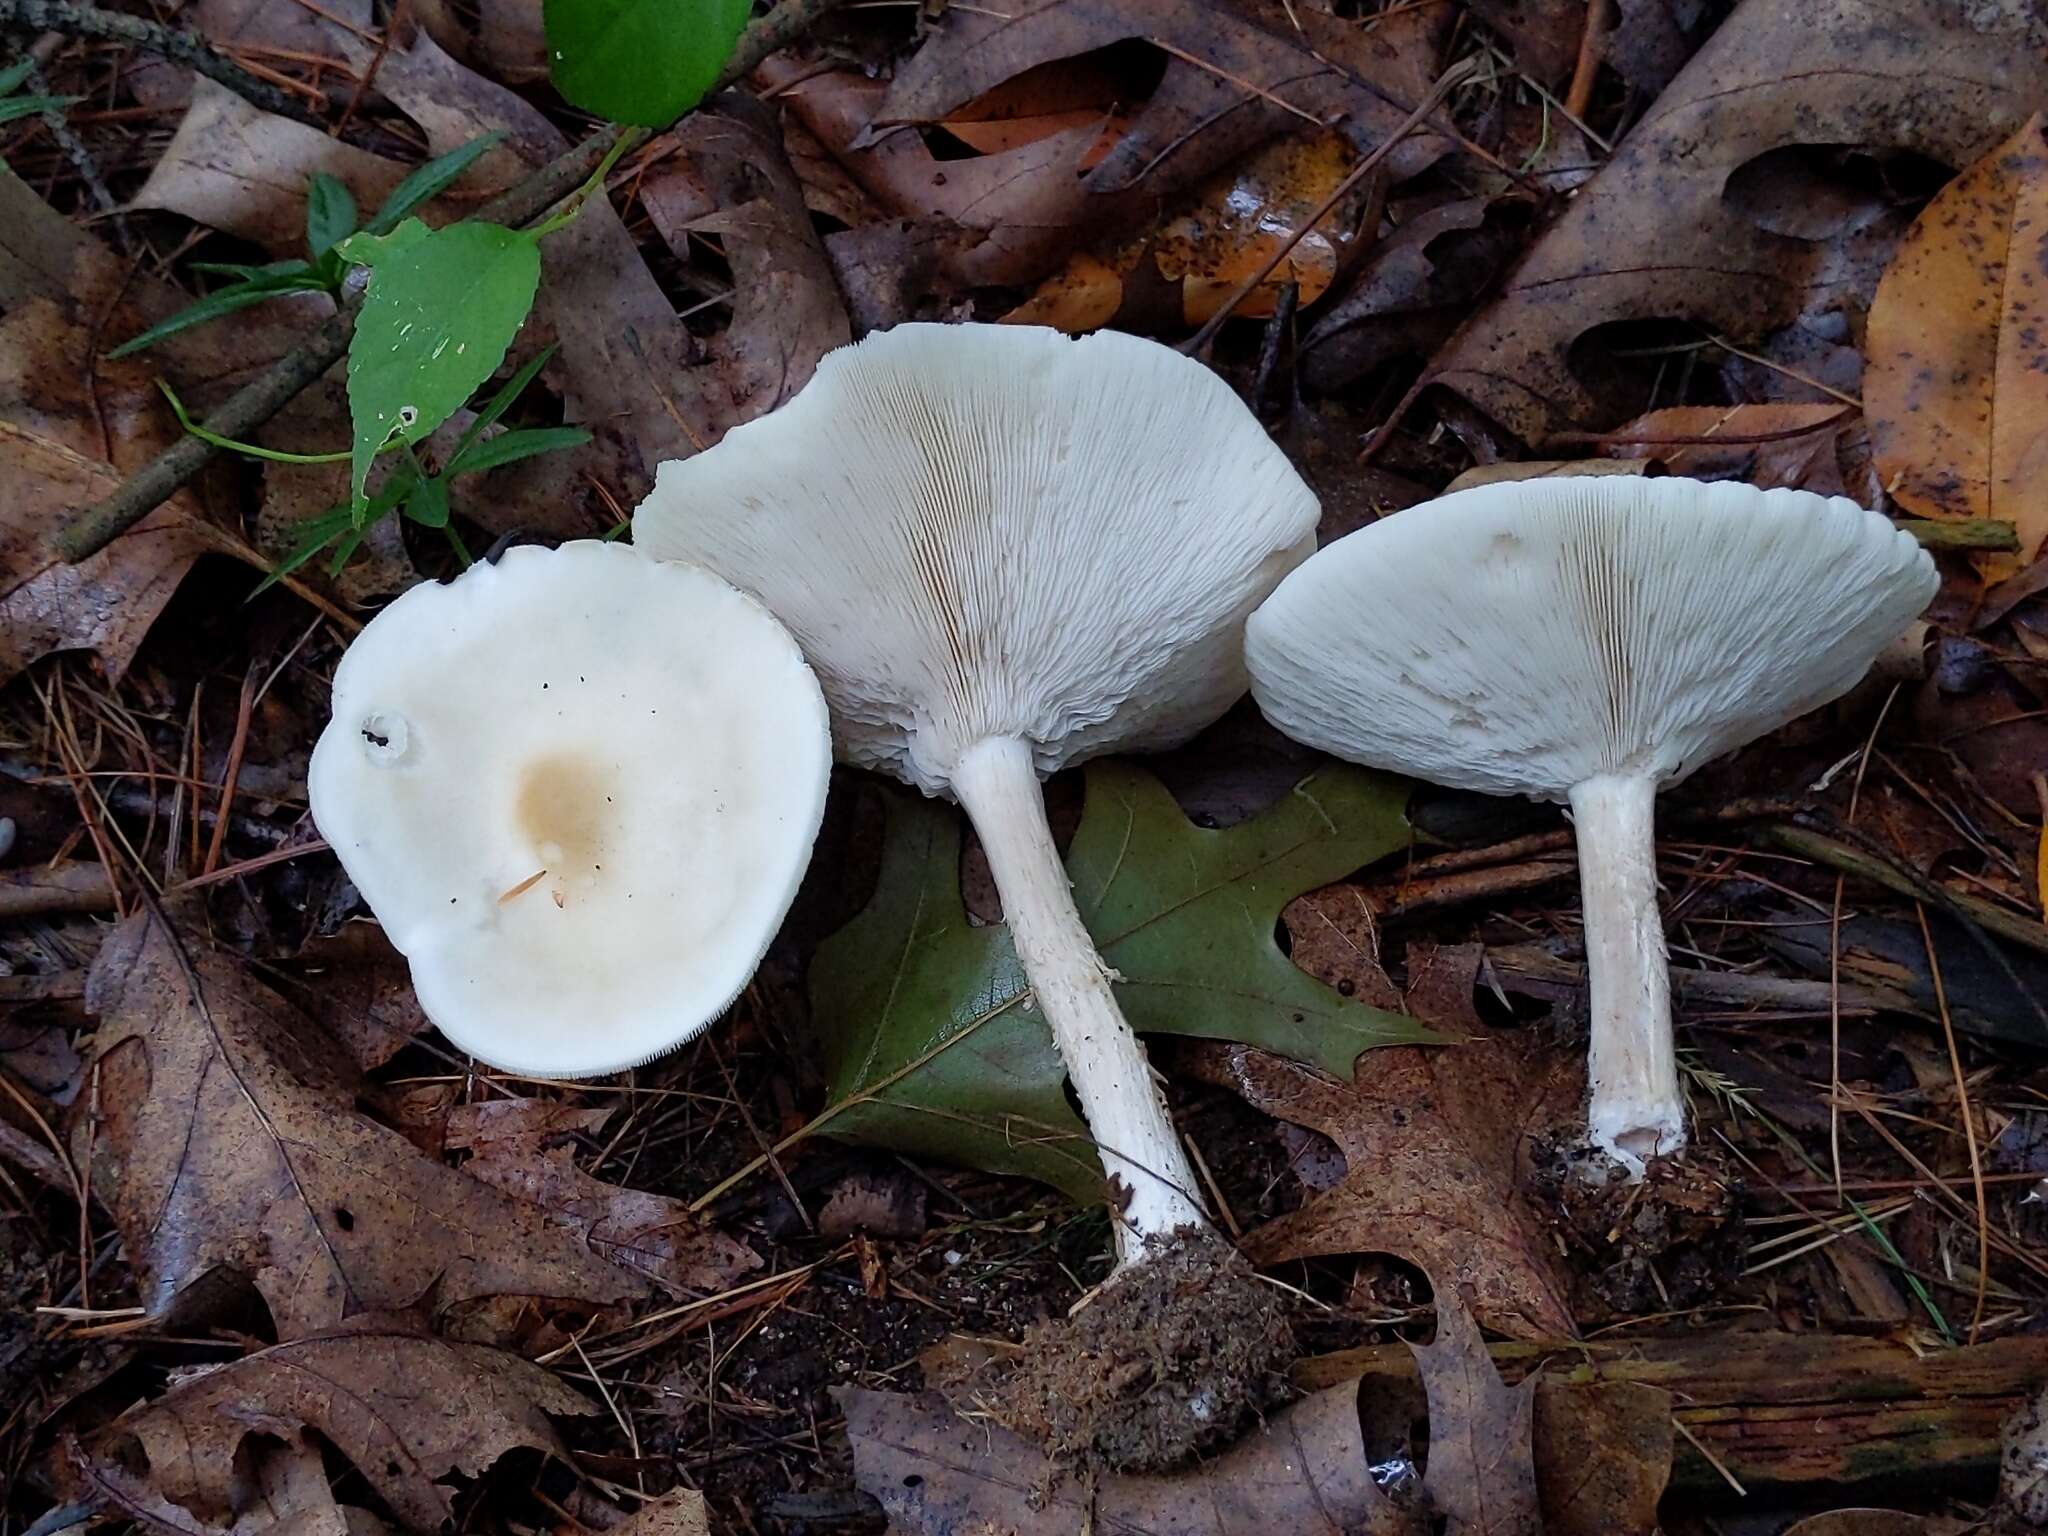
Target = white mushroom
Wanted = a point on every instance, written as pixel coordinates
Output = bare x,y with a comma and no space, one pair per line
1005,551
579,789
1589,640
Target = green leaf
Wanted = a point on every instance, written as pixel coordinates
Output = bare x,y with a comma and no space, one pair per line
29,106
13,76
640,61
435,324
511,447
330,213
502,401
223,302
372,247
430,181
248,274
314,534
920,1016
428,504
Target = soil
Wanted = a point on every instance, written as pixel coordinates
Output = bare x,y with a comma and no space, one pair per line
1176,1356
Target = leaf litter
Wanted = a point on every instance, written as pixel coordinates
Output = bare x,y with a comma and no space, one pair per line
954,167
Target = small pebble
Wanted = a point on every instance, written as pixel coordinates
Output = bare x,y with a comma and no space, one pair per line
954,1255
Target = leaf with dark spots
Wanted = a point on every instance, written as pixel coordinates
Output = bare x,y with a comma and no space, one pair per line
1958,376
404,1411
228,1138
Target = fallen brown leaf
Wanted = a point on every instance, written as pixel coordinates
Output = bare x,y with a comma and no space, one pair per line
1957,384
680,1513
1236,74
404,1411
1431,1139
1482,1470
729,178
357,988
1777,443
935,1472
228,1137
239,169
526,1148
1876,1522
1657,235
1229,227
1603,1456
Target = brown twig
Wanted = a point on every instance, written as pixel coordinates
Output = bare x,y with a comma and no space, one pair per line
187,48
263,397
1578,95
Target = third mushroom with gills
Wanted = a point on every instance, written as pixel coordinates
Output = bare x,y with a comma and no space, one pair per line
1005,551
1591,640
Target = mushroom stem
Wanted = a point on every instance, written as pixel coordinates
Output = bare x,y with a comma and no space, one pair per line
1637,1111
997,783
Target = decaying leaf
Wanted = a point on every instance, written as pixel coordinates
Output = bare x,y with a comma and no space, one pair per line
680,1513
237,168
729,178
1657,235
1482,1469
1260,70
935,1472
1793,444
526,1148
403,1410
1431,1141
928,1042
228,1137
1234,223
1957,382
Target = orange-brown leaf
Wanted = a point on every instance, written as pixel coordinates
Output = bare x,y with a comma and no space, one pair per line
1957,387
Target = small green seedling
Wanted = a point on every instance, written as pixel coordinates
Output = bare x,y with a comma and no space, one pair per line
330,222
13,107
640,61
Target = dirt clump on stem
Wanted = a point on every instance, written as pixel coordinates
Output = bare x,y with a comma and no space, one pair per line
1175,1356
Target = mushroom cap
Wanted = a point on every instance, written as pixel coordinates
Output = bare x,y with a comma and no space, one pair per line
983,531
1524,637
644,733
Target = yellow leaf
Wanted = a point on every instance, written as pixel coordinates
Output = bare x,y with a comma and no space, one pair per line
1957,383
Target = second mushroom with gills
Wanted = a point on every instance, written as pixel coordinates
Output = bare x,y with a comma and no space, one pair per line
1005,551
1591,640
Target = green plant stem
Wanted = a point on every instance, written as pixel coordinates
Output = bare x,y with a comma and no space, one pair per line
187,48
263,397
253,450
1966,533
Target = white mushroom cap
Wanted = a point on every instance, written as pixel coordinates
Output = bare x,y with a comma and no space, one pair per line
1521,638
983,531
644,733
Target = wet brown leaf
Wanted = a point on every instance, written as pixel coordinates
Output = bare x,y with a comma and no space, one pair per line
680,1513
357,988
1658,235
1603,1456
228,1137
935,1472
1482,1469
1431,1139
1876,1522
1957,384
1197,257
526,1147
404,1411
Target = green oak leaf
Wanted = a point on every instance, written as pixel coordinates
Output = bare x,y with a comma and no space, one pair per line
931,1044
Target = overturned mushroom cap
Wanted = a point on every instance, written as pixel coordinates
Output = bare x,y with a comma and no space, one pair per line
997,531
579,789
1521,638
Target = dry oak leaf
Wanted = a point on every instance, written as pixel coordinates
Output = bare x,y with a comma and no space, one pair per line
404,1410
526,1148
1237,73
1777,444
1482,1463
1957,381
228,1137
1431,1141
1656,234
936,1473
681,1513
